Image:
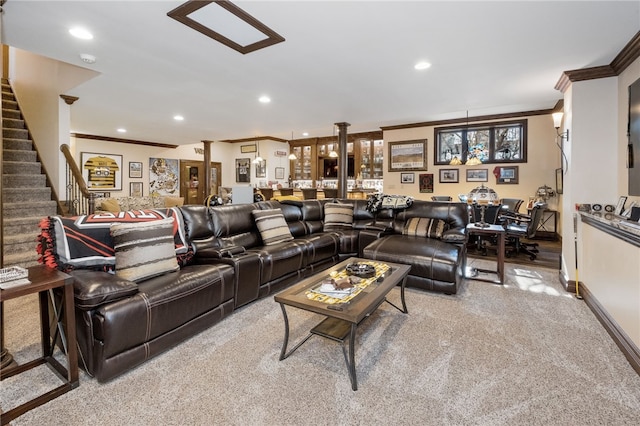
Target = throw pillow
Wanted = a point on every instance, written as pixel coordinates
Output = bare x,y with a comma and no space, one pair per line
338,216
424,227
272,226
173,201
144,249
110,205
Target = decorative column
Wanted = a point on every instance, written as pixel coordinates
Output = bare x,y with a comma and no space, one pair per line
207,168
343,159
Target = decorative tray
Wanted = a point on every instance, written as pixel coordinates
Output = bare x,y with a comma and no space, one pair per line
341,286
362,270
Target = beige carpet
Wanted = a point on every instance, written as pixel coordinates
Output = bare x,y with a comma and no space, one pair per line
523,354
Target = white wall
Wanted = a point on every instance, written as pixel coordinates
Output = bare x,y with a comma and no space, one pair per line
222,152
543,158
37,83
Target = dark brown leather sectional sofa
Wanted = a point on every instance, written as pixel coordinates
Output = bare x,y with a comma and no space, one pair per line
121,323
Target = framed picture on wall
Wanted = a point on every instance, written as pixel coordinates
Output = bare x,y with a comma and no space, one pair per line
507,175
243,170
408,155
101,171
279,172
426,182
164,176
261,169
449,175
135,189
407,177
478,175
135,169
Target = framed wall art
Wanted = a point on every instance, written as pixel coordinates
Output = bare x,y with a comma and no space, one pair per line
407,177
246,149
478,175
164,176
507,175
243,170
449,175
408,155
279,172
101,171
261,169
135,189
135,169
426,182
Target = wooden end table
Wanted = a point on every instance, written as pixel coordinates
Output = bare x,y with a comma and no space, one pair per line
500,233
43,281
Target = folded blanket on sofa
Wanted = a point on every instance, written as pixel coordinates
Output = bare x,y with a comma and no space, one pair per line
84,242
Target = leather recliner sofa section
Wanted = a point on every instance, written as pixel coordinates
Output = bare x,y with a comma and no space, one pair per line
121,324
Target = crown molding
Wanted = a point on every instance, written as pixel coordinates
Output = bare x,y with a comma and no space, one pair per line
627,55
129,141
489,117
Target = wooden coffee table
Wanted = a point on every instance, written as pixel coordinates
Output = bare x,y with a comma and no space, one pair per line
342,318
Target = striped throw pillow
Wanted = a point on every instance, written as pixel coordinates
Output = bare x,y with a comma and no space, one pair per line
424,227
337,215
144,249
272,226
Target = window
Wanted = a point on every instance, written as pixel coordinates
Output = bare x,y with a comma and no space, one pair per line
504,142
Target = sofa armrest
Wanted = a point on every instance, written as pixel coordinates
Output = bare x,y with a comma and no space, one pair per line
369,235
219,252
94,288
455,235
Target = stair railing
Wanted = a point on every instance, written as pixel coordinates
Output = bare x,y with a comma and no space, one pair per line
79,200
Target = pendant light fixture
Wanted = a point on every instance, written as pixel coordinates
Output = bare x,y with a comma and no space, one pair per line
333,153
292,156
258,159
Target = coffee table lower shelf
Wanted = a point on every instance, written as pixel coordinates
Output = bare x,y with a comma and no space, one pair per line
341,321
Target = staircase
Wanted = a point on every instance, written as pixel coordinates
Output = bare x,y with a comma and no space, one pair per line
26,199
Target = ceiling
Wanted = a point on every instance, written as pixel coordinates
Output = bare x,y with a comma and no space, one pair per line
340,61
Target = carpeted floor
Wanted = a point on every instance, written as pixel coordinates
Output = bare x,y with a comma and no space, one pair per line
526,353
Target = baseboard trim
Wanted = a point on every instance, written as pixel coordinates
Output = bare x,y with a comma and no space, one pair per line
626,345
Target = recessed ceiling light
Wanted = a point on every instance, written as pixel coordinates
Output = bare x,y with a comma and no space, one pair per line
264,99
422,65
121,130
89,59
178,117
81,33
305,133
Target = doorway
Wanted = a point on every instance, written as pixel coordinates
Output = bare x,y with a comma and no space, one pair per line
192,180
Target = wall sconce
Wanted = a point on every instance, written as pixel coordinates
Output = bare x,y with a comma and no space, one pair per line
557,121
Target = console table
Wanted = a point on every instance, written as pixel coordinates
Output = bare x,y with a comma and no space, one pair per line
43,281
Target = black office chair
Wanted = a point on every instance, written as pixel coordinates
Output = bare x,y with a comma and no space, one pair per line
330,192
521,226
511,205
441,198
309,193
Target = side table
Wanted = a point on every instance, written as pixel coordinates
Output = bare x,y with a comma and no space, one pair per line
500,233
43,280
